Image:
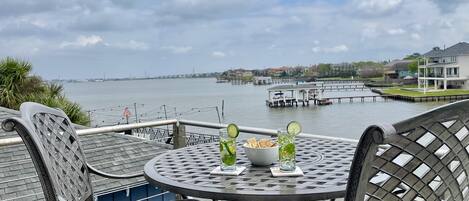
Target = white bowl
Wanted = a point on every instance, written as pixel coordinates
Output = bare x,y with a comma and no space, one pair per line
261,156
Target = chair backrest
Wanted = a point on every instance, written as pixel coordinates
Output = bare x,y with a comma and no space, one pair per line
55,151
422,158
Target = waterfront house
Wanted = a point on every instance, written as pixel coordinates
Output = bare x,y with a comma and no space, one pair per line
279,71
445,68
397,70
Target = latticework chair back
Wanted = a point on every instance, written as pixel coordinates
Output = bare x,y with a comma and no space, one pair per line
422,158
55,150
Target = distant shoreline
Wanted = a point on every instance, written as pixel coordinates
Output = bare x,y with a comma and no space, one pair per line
125,79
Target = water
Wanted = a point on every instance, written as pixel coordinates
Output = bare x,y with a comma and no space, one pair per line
244,105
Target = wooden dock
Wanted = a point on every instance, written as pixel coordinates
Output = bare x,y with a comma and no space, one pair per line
351,99
292,102
302,94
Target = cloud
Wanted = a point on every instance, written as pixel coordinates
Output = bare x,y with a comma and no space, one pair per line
178,49
448,5
218,54
132,45
370,31
377,7
93,40
415,36
334,49
83,41
397,31
188,11
316,49
260,32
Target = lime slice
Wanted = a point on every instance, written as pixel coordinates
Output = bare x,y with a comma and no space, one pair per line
232,130
294,128
230,151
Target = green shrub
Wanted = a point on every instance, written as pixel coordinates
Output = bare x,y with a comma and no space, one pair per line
18,86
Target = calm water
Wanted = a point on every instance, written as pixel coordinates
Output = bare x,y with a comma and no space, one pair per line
244,104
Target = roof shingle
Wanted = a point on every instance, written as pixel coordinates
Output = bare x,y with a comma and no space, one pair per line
111,152
461,48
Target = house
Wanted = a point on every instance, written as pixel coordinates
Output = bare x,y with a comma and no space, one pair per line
262,80
279,71
445,68
111,152
397,70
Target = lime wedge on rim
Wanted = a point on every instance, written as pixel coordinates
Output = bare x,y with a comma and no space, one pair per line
232,130
294,128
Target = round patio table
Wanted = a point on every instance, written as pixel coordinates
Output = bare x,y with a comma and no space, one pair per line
325,164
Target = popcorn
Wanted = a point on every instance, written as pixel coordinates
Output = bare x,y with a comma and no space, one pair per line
262,143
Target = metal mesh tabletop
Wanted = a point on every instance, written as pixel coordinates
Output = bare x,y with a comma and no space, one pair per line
186,171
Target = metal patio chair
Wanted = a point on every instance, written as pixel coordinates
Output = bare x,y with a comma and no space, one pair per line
422,158
56,153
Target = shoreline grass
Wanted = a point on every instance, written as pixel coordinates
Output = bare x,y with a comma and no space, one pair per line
401,91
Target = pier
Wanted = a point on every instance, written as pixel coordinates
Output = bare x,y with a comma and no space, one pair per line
295,94
291,102
313,93
351,99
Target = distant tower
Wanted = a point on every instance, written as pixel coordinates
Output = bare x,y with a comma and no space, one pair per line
193,70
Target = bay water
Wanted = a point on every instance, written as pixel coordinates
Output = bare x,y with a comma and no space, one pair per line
197,99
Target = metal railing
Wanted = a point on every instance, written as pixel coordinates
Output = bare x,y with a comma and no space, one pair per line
179,133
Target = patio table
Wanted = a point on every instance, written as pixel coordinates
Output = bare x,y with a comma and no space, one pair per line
186,171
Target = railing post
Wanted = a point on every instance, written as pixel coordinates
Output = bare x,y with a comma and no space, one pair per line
179,135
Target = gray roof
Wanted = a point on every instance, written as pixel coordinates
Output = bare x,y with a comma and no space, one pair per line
400,65
461,48
111,153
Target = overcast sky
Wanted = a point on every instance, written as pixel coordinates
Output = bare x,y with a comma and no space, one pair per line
120,38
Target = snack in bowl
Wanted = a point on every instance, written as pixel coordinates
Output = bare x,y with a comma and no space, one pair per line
261,152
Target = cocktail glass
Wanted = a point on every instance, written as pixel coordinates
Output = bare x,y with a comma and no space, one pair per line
287,151
227,151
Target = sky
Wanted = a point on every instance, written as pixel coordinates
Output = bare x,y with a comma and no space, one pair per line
77,39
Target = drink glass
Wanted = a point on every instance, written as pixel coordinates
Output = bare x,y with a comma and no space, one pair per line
287,151
227,151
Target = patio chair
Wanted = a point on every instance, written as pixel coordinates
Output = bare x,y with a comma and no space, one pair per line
56,153
422,158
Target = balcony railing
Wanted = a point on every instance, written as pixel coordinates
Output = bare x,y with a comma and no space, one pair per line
436,75
175,133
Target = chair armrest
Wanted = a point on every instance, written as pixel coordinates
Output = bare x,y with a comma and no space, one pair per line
362,160
112,176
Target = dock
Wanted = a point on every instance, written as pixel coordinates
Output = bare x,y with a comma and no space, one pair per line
291,102
351,99
303,94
